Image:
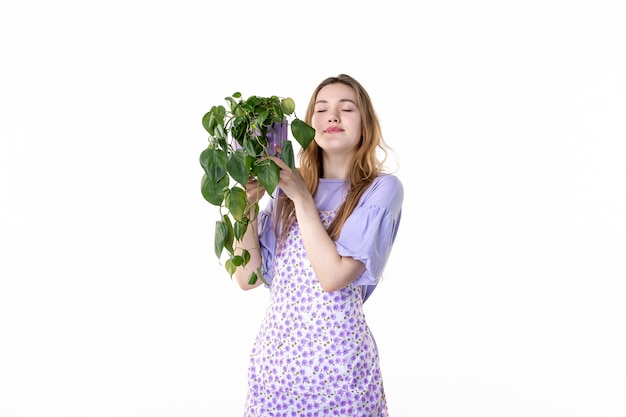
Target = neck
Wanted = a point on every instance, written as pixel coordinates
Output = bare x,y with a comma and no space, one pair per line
336,167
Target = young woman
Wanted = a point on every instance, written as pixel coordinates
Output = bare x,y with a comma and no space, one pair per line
322,243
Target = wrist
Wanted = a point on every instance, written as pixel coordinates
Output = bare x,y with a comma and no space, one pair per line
303,203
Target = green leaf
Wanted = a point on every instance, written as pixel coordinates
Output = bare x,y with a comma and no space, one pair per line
288,105
208,122
268,174
230,267
262,117
220,134
252,279
239,128
236,202
237,260
251,103
231,102
278,112
302,132
252,147
220,236
239,229
213,161
213,118
245,254
287,154
228,239
213,192
238,167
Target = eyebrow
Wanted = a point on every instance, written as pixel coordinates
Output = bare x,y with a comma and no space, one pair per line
343,100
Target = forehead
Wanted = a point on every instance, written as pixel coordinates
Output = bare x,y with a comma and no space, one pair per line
336,92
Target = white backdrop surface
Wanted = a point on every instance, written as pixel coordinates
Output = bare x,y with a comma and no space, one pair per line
504,296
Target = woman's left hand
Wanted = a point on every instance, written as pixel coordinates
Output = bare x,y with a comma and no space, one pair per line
291,182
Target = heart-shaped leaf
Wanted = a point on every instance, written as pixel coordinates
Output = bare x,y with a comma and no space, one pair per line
221,230
213,192
238,167
213,161
288,105
239,229
236,202
302,132
230,267
287,154
268,174
229,238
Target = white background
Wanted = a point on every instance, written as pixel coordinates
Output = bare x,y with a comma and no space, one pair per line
505,292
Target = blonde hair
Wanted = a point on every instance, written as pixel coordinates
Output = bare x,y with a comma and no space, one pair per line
365,165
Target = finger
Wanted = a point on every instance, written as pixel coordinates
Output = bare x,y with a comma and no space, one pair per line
281,164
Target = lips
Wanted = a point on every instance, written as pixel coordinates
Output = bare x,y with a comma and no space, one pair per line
334,129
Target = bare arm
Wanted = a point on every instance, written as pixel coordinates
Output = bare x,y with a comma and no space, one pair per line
333,271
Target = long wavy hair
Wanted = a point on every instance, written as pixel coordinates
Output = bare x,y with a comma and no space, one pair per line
365,167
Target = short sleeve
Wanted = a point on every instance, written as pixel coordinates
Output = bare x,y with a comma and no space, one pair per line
370,231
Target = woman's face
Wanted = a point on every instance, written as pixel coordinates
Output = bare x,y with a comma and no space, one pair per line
337,119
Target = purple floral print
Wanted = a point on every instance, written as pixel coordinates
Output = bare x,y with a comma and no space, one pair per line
314,355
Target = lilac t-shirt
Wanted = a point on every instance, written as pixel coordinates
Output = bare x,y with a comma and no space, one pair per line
367,235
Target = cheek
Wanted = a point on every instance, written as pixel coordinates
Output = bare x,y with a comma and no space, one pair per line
317,122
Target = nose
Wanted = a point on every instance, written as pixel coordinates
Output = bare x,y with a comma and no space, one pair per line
333,119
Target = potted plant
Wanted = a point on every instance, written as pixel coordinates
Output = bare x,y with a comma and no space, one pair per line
241,140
